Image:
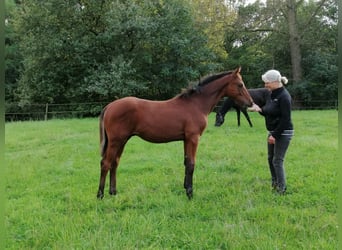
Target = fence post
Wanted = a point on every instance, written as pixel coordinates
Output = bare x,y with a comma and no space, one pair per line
46,111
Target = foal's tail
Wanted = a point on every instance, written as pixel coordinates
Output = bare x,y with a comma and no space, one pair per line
103,134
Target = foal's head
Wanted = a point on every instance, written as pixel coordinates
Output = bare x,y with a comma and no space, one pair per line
236,89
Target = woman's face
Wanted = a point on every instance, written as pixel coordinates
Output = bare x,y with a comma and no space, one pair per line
272,85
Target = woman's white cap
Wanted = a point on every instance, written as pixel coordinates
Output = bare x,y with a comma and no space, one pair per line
273,76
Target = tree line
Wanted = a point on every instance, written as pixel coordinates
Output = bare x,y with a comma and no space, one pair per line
69,51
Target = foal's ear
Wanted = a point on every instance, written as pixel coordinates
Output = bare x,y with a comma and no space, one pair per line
237,70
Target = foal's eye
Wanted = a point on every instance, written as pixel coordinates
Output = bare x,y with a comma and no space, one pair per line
240,85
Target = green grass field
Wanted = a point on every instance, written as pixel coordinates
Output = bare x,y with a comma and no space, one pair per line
52,173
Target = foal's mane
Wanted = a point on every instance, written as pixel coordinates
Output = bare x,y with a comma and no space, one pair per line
202,82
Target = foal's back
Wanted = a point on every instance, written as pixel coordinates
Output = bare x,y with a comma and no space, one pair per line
154,121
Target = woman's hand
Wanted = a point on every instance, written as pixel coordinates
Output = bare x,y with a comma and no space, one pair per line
254,108
271,139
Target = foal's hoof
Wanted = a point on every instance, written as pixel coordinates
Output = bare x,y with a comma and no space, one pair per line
112,192
189,193
219,120
100,195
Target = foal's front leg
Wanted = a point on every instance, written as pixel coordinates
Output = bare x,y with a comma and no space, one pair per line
190,148
189,171
247,118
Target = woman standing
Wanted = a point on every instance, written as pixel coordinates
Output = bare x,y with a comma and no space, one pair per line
277,113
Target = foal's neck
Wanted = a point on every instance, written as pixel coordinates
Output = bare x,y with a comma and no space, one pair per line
210,96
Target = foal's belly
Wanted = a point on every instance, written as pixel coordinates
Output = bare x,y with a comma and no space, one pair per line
174,129
160,132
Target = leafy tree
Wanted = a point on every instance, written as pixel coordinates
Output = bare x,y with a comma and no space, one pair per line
53,65
100,50
13,58
284,35
60,51
170,50
213,17
243,44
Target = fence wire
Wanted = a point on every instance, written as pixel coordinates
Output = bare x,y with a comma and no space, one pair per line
18,112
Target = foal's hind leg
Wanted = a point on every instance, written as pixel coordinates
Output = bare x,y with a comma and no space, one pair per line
110,161
115,164
112,184
105,166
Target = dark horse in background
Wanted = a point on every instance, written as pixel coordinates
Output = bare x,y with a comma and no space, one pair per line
182,118
259,96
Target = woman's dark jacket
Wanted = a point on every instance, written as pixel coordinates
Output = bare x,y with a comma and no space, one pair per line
277,112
